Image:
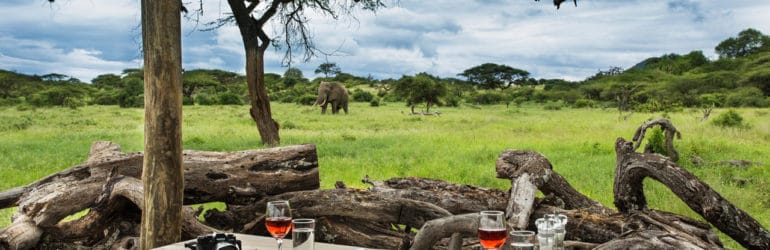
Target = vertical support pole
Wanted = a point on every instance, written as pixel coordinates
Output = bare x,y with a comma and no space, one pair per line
162,176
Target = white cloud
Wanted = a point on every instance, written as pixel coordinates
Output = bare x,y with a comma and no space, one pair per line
441,37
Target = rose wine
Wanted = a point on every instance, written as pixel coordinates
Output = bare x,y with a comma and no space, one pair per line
491,238
278,226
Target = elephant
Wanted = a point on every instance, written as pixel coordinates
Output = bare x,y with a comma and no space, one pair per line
334,93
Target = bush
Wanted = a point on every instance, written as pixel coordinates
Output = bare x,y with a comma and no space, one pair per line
306,99
203,99
10,101
729,119
488,98
519,100
746,97
656,141
584,103
229,98
375,102
362,96
73,103
452,101
188,100
105,98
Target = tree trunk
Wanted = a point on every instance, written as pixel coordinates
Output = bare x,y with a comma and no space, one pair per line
162,175
255,72
234,177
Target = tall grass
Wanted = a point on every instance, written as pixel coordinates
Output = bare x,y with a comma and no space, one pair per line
382,142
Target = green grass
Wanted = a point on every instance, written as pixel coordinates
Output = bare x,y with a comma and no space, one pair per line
460,146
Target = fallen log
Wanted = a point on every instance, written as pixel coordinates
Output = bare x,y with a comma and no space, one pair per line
233,177
632,168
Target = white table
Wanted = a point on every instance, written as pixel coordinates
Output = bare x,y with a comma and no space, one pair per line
254,242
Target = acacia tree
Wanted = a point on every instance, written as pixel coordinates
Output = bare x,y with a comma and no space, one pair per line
251,16
328,69
420,88
492,76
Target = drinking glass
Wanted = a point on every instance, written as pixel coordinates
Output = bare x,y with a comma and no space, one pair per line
523,240
303,234
278,220
492,229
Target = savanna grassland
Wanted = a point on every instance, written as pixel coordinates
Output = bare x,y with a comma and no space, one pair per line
382,142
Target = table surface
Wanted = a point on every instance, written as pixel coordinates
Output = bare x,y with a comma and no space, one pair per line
254,242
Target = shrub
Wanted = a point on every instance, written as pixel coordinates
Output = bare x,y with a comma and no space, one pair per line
488,98
584,103
73,103
229,98
105,98
203,99
10,101
656,141
746,96
306,99
375,102
188,100
731,119
519,100
362,96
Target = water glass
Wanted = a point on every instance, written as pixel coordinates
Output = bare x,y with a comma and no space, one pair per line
303,234
522,240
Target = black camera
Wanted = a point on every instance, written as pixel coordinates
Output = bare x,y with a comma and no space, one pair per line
215,241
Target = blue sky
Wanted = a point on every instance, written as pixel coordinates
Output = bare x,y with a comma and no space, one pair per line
86,38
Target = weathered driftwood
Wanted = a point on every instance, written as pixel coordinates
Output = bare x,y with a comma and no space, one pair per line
669,130
234,177
632,168
530,171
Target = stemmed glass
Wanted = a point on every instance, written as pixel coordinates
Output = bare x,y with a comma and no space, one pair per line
492,229
278,220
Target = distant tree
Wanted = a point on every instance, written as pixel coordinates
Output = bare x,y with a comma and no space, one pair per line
493,76
328,69
54,77
748,42
105,81
293,76
420,88
195,79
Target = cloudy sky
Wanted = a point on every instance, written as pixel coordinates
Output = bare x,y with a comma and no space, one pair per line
86,38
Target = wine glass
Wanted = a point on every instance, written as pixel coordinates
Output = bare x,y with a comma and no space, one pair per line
492,229
278,220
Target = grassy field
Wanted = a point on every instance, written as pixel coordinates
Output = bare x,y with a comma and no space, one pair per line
382,142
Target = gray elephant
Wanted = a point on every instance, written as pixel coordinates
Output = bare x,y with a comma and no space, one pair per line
334,93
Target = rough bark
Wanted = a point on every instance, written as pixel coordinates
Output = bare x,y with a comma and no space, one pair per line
234,177
162,174
633,167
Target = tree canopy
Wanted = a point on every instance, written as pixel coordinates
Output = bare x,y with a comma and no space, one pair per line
328,69
748,42
420,88
494,76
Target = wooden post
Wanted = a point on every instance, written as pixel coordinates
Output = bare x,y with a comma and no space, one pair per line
162,176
